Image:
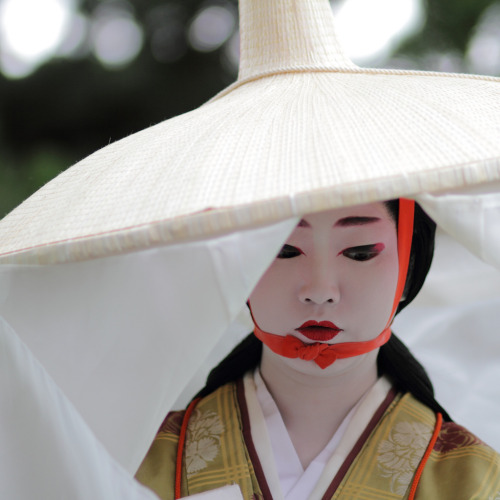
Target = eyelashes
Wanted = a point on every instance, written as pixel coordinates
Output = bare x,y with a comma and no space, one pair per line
363,253
359,253
288,252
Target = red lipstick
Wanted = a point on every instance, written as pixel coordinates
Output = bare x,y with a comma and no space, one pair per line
321,331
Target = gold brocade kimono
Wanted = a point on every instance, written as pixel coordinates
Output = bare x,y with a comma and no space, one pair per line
219,451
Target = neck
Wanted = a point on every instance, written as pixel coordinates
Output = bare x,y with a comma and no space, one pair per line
314,402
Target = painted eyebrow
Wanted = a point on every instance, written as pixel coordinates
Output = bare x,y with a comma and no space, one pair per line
346,221
355,221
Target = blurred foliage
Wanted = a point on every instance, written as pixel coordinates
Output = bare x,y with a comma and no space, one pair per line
71,107
21,175
448,27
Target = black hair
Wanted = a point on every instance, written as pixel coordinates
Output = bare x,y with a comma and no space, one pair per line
422,251
394,359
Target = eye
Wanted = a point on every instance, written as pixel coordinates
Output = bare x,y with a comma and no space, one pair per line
288,252
363,253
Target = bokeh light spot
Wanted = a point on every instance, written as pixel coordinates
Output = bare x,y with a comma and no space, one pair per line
232,53
14,67
211,27
32,29
370,29
73,44
117,40
30,32
483,51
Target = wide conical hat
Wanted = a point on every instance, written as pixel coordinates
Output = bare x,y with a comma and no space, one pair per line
303,129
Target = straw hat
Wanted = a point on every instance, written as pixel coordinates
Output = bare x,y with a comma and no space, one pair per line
302,130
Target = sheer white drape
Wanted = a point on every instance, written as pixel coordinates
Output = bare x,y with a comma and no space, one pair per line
123,336
452,326
47,449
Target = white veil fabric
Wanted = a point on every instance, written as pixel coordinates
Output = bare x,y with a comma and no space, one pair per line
452,326
47,450
123,337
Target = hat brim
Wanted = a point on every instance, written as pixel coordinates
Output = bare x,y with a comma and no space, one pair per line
267,149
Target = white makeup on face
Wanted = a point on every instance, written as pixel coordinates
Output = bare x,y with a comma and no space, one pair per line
338,266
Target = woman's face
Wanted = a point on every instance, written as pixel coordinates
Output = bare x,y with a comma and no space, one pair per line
339,266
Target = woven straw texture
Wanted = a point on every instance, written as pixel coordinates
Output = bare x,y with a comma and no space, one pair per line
302,130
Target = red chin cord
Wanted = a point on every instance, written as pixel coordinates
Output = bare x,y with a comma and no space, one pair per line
322,354
326,354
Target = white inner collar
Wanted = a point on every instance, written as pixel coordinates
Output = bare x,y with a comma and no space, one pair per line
284,473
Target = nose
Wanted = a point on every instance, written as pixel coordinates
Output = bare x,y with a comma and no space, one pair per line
319,289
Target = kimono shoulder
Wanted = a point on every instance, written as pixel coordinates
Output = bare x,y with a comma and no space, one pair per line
403,437
157,470
460,466
457,465
215,453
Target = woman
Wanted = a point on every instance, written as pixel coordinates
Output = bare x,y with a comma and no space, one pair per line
295,418
134,262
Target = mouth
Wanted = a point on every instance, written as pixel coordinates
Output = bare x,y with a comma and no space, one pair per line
321,331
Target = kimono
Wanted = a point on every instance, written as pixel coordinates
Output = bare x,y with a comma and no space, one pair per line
401,450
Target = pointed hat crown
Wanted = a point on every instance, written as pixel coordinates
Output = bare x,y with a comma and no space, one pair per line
288,35
302,130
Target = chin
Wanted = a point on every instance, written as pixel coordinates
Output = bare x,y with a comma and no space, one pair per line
348,366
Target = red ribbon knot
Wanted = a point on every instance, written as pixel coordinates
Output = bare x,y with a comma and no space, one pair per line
310,352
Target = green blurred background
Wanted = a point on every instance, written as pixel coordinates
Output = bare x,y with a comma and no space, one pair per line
76,75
